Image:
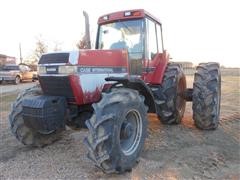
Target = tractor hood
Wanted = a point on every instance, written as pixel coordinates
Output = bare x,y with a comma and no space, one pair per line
103,58
87,58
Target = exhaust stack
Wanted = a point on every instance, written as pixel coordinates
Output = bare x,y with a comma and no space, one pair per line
87,32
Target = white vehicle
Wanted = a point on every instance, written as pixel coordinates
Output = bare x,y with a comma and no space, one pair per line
16,73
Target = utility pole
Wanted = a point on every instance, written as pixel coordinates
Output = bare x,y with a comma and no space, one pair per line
20,52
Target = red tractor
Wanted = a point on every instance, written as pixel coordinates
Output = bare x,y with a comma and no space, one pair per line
111,89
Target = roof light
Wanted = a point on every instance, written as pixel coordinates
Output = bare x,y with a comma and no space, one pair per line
136,13
105,18
127,13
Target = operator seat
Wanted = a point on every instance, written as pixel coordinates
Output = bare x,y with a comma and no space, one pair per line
119,45
137,48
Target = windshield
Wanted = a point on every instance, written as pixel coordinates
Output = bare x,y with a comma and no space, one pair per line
123,35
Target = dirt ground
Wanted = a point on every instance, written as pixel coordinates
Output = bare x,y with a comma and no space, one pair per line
170,152
8,87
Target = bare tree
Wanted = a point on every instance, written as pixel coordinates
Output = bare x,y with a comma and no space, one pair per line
81,44
41,48
57,46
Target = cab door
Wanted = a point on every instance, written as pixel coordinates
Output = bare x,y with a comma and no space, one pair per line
155,56
136,47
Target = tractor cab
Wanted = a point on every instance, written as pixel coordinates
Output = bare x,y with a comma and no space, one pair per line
136,31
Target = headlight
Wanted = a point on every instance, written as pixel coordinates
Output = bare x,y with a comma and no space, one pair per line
41,70
67,69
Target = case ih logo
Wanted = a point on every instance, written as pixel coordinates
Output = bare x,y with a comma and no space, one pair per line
102,70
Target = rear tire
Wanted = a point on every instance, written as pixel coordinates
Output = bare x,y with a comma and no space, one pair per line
23,133
169,95
117,130
207,96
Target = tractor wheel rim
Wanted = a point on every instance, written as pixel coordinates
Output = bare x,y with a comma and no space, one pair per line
131,132
180,99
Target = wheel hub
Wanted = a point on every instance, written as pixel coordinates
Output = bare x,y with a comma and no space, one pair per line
130,132
126,130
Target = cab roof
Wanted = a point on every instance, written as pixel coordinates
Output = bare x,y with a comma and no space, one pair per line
126,15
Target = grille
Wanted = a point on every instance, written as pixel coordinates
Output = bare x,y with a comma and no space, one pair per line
57,86
54,58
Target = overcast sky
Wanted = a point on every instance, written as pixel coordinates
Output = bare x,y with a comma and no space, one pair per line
197,31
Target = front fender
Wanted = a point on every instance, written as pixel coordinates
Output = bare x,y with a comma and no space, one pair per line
140,86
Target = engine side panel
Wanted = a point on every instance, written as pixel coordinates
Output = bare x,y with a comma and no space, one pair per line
93,81
95,66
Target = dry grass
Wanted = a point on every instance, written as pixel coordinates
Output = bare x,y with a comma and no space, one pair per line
230,98
6,100
5,105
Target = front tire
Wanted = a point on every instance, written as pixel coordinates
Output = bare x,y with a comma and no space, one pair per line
207,96
21,131
117,130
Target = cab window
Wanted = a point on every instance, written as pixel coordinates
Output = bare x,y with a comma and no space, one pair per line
152,39
126,34
159,37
